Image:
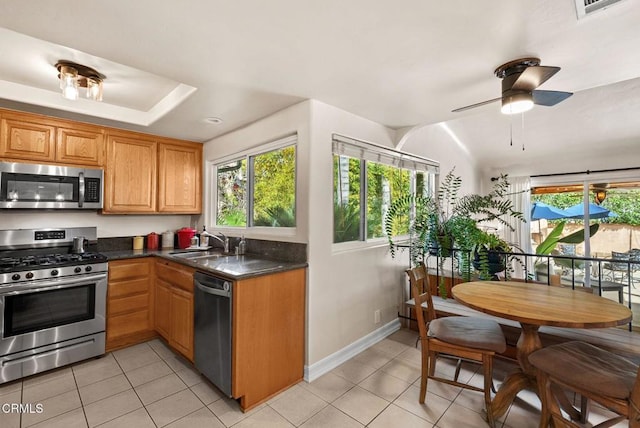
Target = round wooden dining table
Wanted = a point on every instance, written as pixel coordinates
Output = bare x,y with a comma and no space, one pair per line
534,305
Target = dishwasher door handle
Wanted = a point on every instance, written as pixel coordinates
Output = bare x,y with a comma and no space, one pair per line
214,291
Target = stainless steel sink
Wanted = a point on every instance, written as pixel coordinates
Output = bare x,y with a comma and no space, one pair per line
197,254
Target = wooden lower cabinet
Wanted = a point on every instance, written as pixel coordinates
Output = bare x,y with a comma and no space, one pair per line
129,295
149,296
173,305
268,335
162,309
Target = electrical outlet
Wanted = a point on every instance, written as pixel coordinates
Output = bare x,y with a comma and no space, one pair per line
376,316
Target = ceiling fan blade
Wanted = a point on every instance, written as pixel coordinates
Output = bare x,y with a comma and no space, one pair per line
549,98
475,105
534,76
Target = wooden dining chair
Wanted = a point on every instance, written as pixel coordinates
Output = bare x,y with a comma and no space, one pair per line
595,374
476,339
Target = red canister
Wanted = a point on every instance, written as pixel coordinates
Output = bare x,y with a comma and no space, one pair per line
153,241
184,237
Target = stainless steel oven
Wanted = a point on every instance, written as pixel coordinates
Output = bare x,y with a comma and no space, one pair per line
52,303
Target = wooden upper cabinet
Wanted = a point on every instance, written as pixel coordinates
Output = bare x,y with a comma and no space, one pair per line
36,138
80,145
25,139
130,176
180,178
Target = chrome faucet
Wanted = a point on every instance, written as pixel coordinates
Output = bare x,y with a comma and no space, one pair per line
224,240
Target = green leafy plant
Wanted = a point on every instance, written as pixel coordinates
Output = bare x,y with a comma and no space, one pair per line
346,220
276,216
548,245
438,223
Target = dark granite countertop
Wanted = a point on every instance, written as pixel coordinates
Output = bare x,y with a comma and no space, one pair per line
226,265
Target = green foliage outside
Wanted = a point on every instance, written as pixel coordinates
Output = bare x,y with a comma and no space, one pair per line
398,183
384,185
231,184
622,202
346,211
275,188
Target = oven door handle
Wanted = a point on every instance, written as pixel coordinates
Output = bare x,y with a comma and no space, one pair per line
54,284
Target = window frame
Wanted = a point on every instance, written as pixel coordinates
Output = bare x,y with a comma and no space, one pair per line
249,156
368,152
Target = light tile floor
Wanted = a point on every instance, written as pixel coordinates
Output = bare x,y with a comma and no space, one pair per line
147,385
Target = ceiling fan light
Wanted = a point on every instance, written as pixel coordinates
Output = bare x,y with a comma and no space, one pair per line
517,103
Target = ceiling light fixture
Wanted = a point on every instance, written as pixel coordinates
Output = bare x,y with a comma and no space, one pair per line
73,76
517,103
213,120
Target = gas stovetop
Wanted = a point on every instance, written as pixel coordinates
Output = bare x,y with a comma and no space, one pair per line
30,262
47,254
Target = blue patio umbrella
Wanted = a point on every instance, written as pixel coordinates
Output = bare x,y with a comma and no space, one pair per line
595,211
541,210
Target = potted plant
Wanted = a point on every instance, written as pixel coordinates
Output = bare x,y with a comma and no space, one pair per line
445,221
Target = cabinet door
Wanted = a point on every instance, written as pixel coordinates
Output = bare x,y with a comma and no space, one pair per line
27,140
180,178
268,321
163,309
80,146
182,321
130,182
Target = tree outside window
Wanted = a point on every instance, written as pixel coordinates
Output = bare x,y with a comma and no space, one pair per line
267,186
274,195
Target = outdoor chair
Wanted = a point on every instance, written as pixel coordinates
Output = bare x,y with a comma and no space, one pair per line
598,375
620,266
475,339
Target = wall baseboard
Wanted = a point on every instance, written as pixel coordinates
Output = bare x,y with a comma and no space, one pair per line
332,361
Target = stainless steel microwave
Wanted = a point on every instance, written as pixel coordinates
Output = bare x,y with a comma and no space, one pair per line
33,186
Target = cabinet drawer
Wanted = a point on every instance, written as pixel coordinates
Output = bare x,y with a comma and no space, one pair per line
139,302
127,288
129,269
134,322
175,275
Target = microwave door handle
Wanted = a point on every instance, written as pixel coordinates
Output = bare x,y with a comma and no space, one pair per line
81,189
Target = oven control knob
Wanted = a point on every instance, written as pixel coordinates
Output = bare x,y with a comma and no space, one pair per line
15,277
77,270
29,275
54,272
88,269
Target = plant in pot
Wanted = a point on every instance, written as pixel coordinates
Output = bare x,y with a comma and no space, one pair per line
479,251
440,222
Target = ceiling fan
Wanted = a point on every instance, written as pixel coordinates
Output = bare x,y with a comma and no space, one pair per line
520,78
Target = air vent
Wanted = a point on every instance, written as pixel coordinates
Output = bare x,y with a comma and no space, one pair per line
587,7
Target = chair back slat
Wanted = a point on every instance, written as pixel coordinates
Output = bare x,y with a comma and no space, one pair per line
420,291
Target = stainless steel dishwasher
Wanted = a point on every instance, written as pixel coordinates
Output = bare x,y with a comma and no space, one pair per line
212,329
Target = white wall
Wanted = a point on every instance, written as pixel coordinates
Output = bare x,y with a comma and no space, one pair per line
294,119
108,225
436,143
345,286
346,283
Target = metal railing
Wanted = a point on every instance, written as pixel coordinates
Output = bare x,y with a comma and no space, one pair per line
602,274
